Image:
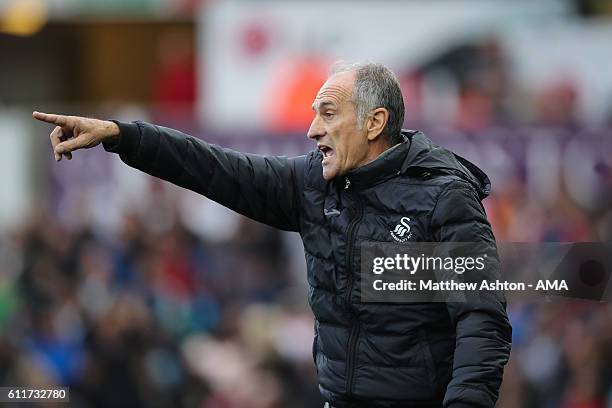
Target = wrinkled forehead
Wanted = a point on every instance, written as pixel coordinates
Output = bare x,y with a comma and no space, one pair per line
336,90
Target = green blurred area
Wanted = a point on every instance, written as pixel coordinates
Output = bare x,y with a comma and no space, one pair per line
8,301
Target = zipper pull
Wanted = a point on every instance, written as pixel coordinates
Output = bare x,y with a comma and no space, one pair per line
348,183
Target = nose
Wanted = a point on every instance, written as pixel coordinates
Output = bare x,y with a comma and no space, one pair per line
317,129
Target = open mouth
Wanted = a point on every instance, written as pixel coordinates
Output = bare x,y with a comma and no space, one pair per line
326,150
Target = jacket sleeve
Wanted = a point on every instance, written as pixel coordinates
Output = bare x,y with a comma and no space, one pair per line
483,332
264,188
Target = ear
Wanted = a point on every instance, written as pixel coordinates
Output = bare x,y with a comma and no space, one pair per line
376,122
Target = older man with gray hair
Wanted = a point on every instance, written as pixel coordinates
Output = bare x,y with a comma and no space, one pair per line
366,179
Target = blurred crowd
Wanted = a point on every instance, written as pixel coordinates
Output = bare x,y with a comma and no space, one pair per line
154,318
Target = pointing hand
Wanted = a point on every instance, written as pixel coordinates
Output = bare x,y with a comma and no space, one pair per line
74,132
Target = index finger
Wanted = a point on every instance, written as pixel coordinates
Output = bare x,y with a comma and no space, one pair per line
59,120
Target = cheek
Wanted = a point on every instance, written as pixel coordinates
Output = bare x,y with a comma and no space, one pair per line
356,150
346,140
344,151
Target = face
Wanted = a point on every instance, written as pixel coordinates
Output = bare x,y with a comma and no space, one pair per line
335,127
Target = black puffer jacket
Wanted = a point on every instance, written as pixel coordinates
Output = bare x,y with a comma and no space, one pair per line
367,355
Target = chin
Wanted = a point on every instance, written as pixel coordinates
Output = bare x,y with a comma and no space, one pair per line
329,175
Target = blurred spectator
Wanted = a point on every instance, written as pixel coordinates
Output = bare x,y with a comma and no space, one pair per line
557,104
468,86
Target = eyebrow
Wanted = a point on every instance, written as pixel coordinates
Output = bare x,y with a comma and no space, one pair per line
322,105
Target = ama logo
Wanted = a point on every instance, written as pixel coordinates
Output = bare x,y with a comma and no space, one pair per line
401,232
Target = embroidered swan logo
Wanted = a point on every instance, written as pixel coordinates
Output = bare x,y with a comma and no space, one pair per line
401,229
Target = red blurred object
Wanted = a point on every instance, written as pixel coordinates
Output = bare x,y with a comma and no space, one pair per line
295,86
174,81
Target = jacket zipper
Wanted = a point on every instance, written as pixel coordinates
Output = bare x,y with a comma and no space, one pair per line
351,353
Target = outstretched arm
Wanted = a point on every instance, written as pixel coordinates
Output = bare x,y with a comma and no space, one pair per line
264,188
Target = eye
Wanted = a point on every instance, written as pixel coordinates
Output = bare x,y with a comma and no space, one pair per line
328,115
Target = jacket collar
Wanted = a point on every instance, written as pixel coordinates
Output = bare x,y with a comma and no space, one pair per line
388,164
418,154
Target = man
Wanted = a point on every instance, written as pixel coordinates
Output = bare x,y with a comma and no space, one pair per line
364,178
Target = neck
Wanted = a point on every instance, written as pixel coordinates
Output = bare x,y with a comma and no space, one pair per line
376,149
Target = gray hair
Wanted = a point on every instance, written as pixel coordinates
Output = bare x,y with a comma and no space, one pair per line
376,86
